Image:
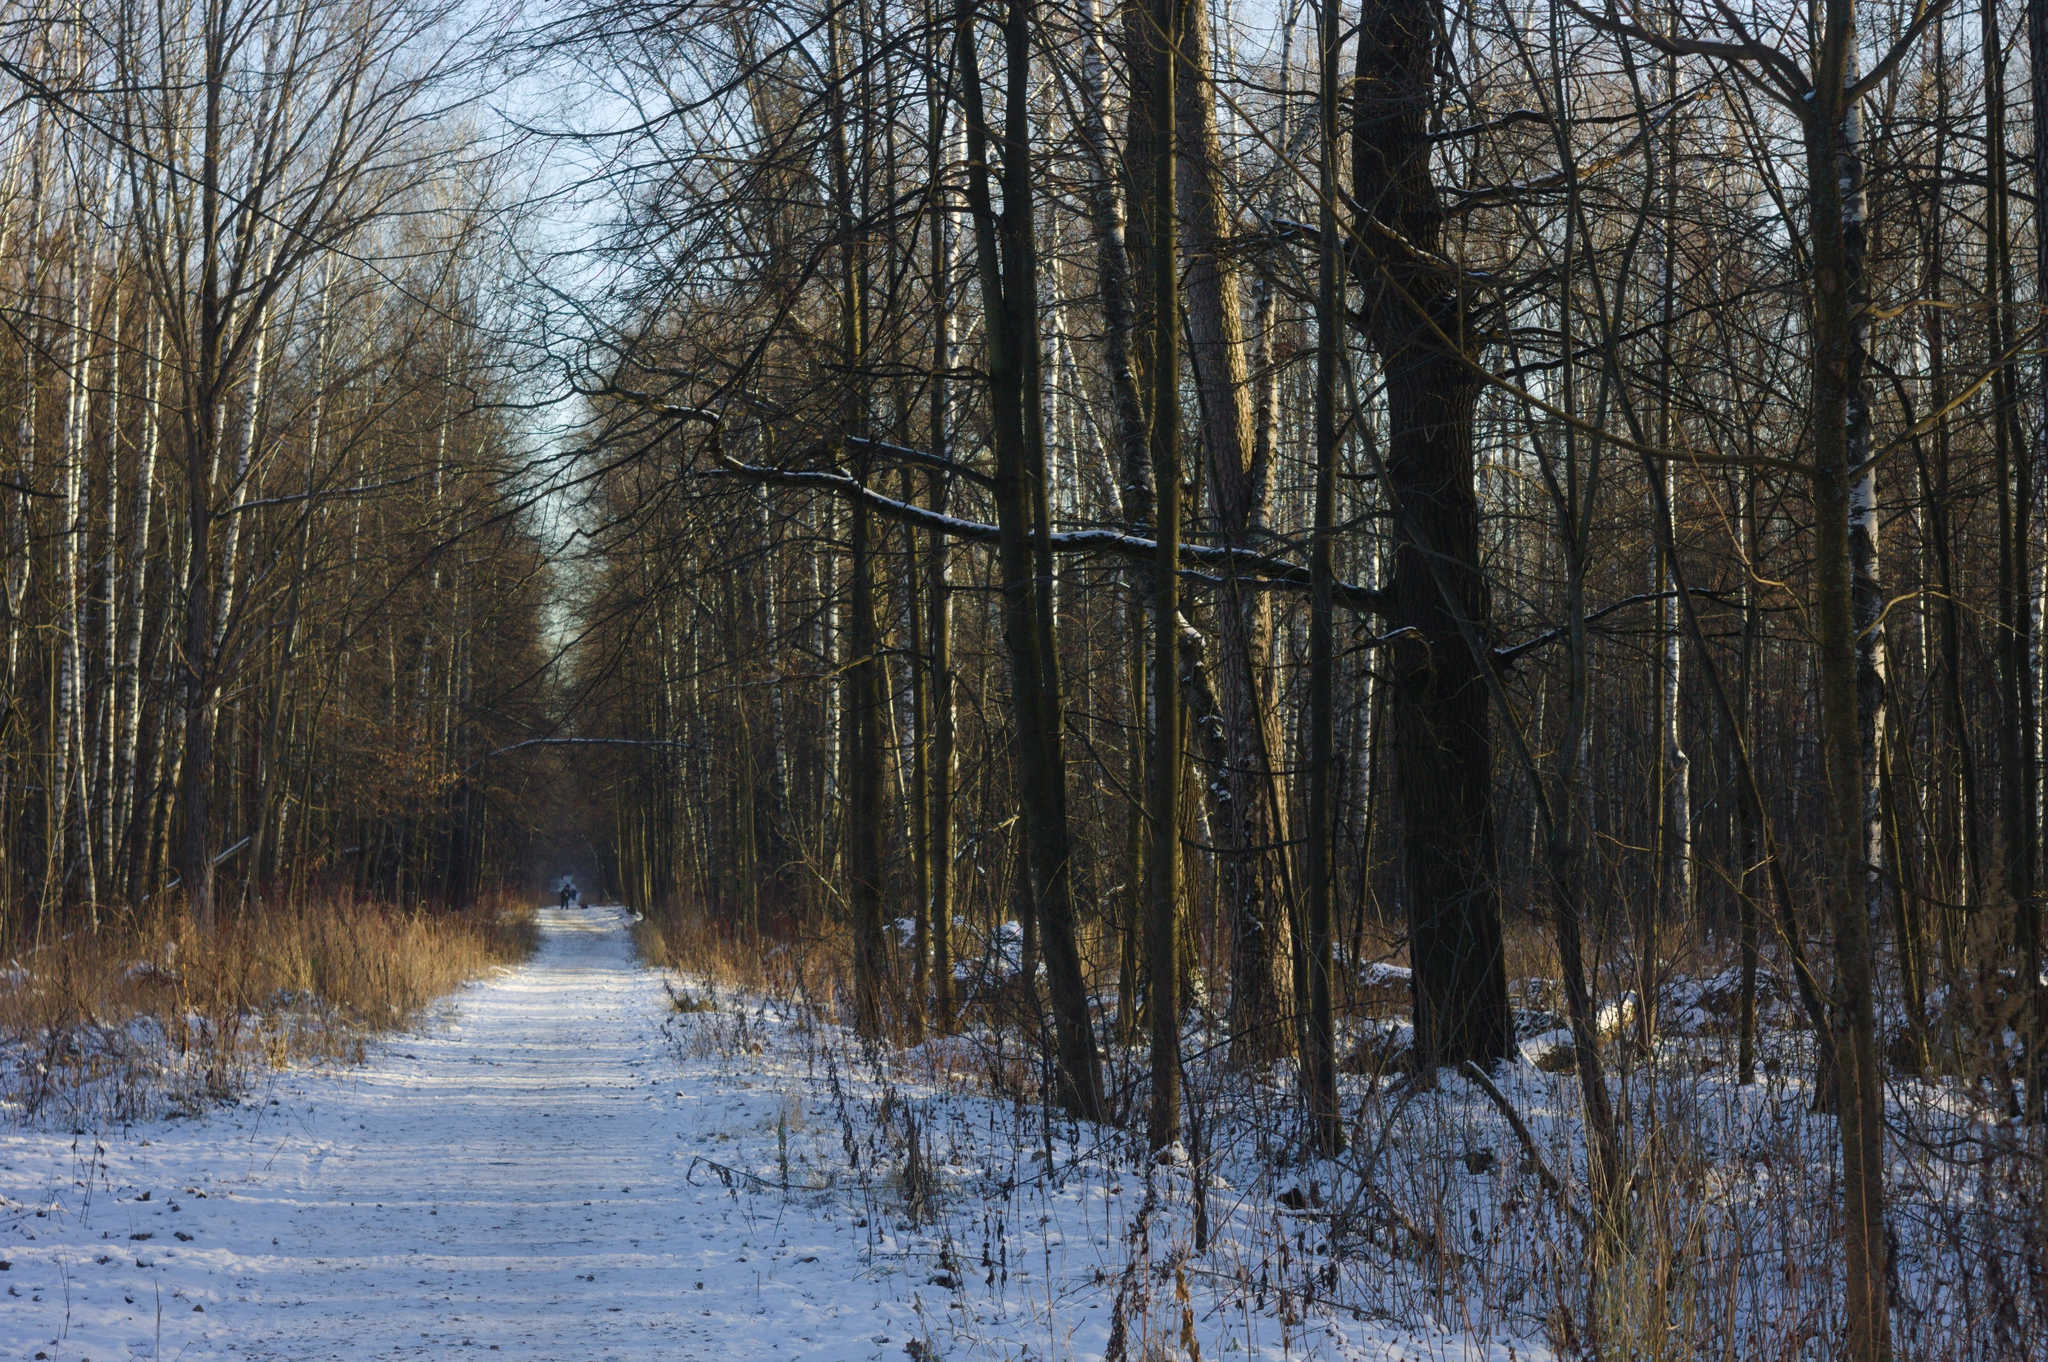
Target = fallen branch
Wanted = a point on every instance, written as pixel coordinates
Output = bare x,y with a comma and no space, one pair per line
1551,1182
726,1175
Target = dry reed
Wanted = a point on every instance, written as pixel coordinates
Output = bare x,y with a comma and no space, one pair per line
149,1015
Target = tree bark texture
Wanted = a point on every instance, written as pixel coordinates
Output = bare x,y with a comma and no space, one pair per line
1415,306
1252,828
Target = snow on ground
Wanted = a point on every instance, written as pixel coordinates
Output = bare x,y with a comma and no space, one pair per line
562,1167
517,1179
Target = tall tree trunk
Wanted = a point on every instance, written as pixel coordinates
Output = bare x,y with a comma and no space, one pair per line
67,715
2030,909
1415,307
1253,825
1162,917
864,790
204,359
2018,740
1565,857
195,762
1562,809
1319,1064
1674,901
1963,823
1131,472
1006,262
1741,730
863,677
1120,325
1840,404
938,568
20,564
916,637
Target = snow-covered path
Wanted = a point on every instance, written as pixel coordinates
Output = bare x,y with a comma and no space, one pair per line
515,1179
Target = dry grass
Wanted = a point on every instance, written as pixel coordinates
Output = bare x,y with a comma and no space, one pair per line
1727,1245
150,1015
812,965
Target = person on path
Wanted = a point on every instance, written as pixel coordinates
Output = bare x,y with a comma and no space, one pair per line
568,892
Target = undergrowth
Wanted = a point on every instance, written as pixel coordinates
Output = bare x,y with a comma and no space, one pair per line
149,1015
1440,1213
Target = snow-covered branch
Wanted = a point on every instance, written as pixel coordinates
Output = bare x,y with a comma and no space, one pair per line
1204,563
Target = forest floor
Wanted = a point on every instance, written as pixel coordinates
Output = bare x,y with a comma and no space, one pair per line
564,1165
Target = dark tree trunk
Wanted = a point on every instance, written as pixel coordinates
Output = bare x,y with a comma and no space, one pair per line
195,836
1415,315
939,584
864,691
864,749
1006,261
1834,177
1319,1064
2029,924
1162,915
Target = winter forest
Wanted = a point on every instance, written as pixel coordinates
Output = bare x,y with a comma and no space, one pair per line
1098,679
